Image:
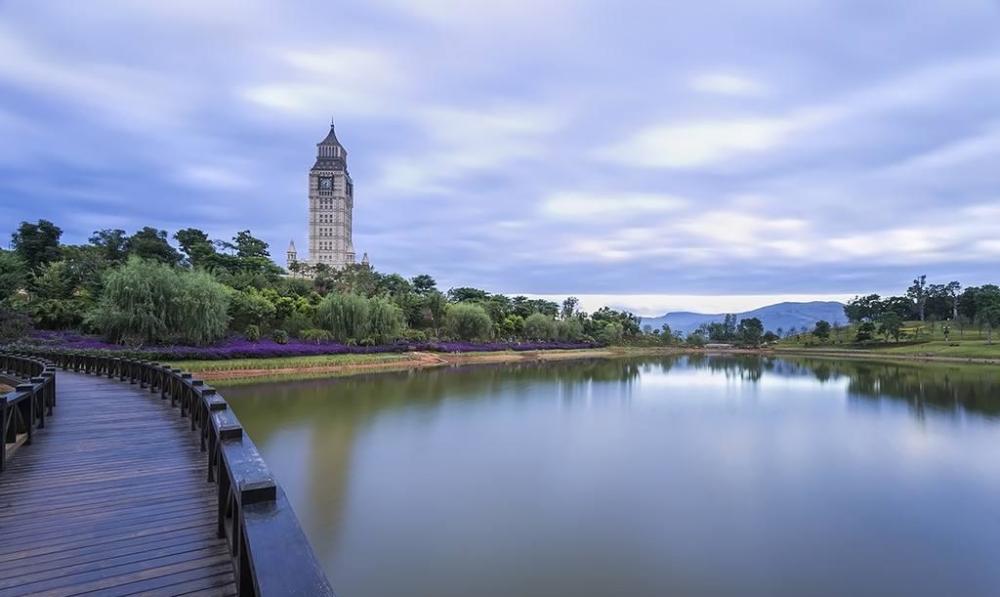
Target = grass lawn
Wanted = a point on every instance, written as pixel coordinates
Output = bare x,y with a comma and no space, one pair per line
917,339
290,362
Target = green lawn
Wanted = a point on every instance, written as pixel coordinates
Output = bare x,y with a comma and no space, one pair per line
289,362
917,339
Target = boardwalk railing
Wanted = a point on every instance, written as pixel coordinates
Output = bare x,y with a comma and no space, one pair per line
24,409
270,552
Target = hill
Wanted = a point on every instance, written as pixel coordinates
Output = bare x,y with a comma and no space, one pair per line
781,315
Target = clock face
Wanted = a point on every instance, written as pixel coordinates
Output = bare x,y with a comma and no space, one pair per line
326,183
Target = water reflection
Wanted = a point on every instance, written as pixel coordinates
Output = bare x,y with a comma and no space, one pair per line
693,475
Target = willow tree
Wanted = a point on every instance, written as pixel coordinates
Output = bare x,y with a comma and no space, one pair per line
146,301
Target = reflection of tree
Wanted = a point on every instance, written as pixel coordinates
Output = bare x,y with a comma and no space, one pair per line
942,387
331,414
743,367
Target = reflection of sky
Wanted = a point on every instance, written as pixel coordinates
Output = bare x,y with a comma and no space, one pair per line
689,482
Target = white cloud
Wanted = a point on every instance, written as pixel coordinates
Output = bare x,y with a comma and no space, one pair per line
214,177
126,98
462,141
699,143
733,228
726,84
571,205
694,144
337,80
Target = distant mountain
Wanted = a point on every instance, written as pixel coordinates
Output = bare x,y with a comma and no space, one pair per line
782,315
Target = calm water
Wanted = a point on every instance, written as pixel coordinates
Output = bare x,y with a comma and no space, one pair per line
688,476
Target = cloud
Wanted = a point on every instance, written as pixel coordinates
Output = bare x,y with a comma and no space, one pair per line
572,205
555,146
694,144
458,142
726,84
214,177
338,80
701,143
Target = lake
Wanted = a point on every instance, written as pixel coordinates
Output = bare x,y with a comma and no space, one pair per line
685,476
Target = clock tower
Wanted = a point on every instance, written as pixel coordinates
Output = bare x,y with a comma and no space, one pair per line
331,206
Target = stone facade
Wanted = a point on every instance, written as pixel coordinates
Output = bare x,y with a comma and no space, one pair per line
331,210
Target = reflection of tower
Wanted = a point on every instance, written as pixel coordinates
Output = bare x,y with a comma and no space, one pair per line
331,205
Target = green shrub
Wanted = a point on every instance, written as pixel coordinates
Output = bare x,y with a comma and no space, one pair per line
569,330
297,322
468,321
611,333
411,335
280,336
385,321
13,325
315,335
250,307
344,315
199,313
252,333
151,302
539,327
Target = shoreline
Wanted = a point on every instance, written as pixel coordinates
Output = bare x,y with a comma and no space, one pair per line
882,356
418,360
421,360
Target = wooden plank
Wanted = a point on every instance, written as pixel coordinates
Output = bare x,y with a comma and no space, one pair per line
111,498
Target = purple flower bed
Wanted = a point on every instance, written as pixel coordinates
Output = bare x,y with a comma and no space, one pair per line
239,348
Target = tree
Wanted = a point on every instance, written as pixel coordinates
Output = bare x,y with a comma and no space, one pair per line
822,330
902,306
865,332
695,339
612,333
13,275
112,243
250,307
150,243
953,289
890,324
345,316
196,246
569,330
539,327
55,301
152,302
750,332
918,293
385,321
394,285
468,321
569,307
863,308
37,244
423,284
249,247
988,309
466,294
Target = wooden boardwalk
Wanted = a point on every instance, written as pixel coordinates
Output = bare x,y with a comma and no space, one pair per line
111,498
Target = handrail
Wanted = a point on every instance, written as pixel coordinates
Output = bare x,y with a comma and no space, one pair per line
269,550
24,410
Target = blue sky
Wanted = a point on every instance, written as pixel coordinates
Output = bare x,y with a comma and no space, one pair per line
713,148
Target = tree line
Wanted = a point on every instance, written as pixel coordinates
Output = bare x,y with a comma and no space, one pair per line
949,303
140,288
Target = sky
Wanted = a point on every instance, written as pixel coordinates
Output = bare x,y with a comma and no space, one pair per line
700,153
